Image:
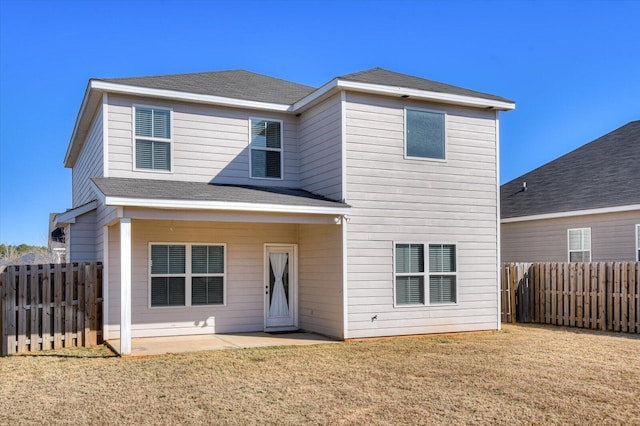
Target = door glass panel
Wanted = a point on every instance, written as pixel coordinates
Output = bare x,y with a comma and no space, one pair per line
272,281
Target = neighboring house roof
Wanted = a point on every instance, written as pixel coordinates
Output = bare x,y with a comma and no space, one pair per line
244,89
237,84
202,195
601,174
390,78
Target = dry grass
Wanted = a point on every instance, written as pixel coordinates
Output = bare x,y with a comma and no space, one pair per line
522,375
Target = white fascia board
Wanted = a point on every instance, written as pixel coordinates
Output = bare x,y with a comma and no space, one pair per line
222,205
71,215
313,96
83,106
337,84
185,96
604,210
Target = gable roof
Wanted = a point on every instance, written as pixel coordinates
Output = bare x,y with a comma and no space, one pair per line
390,78
237,84
244,89
603,173
203,195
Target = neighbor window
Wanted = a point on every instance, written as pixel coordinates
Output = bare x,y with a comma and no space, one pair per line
425,134
266,149
637,243
187,274
153,138
580,245
413,271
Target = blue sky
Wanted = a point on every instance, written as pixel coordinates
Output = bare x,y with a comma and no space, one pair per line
573,68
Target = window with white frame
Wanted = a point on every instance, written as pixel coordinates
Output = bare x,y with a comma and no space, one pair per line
579,245
187,274
413,271
442,273
152,138
638,243
425,134
266,149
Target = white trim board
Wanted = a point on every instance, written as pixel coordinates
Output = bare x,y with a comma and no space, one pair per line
337,84
185,96
70,215
604,210
222,205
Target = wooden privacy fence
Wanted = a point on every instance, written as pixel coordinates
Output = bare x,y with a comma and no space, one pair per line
603,296
50,307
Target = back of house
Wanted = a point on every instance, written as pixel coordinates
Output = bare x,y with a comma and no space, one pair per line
231,201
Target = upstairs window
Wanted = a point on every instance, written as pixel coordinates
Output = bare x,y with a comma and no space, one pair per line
424,134
579,245
153,138
266,149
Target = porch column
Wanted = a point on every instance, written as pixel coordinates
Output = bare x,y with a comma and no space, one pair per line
125,286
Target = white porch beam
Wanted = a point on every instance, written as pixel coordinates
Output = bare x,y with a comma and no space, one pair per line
125,286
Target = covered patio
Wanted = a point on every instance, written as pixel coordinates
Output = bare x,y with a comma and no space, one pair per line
145,346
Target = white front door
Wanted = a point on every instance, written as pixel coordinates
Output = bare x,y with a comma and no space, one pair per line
280,288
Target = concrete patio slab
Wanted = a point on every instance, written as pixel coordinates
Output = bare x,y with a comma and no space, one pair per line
210,342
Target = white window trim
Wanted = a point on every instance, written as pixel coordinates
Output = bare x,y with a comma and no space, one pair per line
426,274
446,136
637,238
251,176
569,251
188,275
134,137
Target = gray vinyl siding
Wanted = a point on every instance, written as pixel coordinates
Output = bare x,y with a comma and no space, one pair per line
320,278
210,143
89,164
612,238
395,200
82,239
320,138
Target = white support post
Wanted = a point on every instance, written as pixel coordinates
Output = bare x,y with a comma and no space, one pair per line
125,286
105,283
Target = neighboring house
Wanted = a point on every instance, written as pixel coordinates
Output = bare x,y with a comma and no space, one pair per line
581,207
233,202
56,241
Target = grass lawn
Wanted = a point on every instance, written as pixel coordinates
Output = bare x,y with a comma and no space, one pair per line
521,375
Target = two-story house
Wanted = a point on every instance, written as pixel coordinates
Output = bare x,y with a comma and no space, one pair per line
233,202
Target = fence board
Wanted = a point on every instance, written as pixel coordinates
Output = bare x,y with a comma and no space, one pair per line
577,318
34,310
82,337
22,310
57,307
46,307
68,307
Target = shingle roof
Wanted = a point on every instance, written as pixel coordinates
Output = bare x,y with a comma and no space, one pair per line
602,173
202,191
390,78
237,84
